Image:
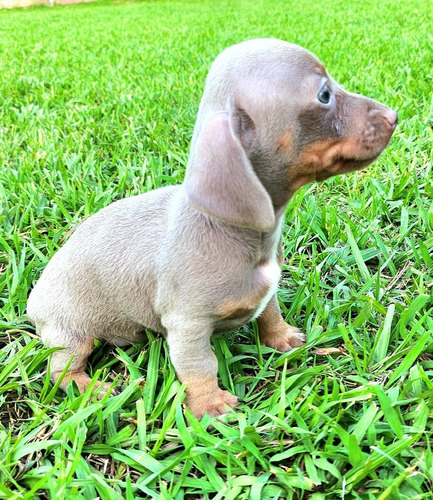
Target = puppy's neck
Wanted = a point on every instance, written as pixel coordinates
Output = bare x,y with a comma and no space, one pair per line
274,179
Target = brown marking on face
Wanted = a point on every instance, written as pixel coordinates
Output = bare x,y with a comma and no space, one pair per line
322,159
319,68
285,141
346,136
309,161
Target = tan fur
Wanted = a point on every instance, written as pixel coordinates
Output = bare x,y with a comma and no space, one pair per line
204,256
284,143
321,155
247,304
76,372
83,381
312,160
274,332
204,396
234,309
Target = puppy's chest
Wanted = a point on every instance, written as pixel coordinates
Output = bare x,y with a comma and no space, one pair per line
263,284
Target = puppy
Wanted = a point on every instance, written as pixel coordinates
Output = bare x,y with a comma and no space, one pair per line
205,256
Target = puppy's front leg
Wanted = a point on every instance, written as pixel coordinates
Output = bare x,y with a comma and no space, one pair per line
197,366
275,332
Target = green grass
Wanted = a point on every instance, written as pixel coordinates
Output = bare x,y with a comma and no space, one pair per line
98,102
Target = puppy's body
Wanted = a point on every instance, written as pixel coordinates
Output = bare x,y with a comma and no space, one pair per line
205,256
142,256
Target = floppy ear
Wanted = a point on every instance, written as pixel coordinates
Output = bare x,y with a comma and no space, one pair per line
220,180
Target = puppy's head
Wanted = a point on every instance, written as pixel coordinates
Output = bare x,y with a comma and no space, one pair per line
282,122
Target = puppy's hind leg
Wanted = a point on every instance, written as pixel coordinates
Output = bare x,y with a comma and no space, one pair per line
196,365
79,348
275,332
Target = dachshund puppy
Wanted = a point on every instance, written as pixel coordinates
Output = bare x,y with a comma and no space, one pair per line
205,256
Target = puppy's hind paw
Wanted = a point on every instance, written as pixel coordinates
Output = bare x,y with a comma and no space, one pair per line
82,381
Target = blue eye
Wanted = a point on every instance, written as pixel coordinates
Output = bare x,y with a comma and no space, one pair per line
324,95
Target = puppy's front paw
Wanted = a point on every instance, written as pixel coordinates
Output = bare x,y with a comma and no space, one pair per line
285,339
214,404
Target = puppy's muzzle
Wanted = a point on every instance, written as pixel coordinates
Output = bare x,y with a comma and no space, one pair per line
391,117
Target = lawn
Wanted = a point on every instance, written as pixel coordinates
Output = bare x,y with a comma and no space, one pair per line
98,102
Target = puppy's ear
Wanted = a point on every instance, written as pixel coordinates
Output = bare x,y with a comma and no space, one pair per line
220,180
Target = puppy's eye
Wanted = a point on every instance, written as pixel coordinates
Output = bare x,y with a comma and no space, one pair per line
324,95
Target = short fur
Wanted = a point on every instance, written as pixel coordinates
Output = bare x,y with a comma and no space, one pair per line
205,256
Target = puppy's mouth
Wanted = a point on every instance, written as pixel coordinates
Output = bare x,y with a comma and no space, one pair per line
342,165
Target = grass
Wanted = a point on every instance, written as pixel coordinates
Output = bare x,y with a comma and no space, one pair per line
98,102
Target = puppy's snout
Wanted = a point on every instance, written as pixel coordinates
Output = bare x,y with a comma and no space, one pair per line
382,121
391,117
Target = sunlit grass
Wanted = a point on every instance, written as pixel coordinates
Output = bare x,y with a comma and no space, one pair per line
98,102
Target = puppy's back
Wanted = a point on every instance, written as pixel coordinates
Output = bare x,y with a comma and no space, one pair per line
93,281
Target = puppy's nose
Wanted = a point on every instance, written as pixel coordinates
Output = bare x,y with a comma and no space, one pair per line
391,117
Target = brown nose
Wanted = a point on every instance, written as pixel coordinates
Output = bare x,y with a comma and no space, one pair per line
391,117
